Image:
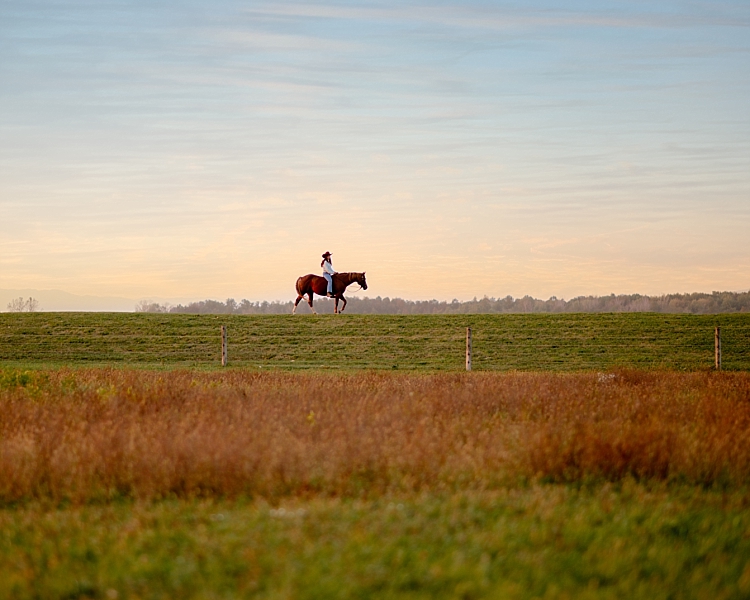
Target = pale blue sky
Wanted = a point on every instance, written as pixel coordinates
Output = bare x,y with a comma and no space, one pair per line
194,149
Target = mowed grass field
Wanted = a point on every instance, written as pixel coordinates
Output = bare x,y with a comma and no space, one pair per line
588,456
425,342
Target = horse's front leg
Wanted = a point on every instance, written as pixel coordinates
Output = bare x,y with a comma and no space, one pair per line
344,306
336,305
309,301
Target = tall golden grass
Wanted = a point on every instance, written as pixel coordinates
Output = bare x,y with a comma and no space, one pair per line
100,434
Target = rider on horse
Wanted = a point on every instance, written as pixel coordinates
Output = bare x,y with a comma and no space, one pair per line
310,284
328,272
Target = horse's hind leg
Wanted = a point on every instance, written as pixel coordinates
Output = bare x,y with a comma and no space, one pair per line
296,302
309,301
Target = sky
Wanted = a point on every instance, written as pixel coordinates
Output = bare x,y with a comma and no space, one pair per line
186,150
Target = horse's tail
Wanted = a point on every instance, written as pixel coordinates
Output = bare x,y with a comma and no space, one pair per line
298,286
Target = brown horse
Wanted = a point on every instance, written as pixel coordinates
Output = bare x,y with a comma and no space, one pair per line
315,284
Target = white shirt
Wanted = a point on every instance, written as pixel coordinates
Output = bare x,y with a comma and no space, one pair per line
328,268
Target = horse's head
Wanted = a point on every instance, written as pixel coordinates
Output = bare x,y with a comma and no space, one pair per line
361,280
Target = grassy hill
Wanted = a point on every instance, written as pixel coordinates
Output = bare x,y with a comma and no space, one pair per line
563,342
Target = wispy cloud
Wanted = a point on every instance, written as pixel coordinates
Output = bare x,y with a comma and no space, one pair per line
534,14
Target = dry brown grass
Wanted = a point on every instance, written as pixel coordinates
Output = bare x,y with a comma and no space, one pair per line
99,434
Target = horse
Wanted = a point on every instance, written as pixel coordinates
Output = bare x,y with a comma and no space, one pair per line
309,284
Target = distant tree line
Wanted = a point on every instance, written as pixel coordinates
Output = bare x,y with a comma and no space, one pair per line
21,304
699,303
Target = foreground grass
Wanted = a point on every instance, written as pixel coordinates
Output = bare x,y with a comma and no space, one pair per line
571,342
118,483
602,541
104,434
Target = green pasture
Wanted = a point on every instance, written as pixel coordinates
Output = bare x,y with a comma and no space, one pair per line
628,542
567,342
587,540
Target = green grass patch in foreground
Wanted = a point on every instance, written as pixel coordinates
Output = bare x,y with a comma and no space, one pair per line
626,541
568,342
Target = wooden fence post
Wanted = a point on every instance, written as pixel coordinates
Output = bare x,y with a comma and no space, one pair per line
468,348
223,345
717,348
